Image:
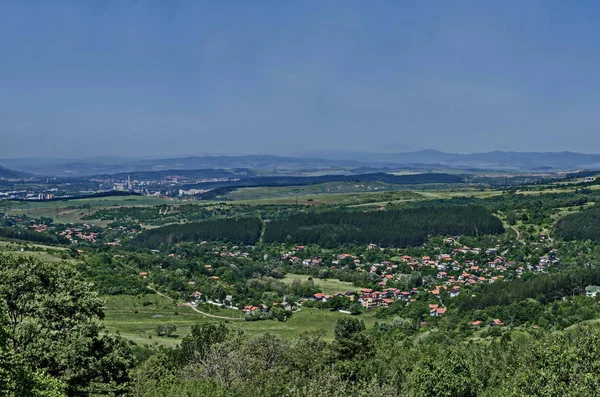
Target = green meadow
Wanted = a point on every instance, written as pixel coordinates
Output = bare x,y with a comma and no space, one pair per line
136,318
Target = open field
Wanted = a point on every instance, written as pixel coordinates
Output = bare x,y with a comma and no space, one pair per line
42,252
264,196
254,193
329,286
71,211
136,318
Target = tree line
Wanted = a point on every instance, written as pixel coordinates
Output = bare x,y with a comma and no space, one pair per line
33,236
240,230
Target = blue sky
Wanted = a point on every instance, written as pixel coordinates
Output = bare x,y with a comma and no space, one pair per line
169,78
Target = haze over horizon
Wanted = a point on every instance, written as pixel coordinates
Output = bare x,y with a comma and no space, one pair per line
91,79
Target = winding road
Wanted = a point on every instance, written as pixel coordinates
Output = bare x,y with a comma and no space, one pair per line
210,315
517,231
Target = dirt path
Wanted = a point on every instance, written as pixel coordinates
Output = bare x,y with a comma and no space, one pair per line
193,307
517,231
210,315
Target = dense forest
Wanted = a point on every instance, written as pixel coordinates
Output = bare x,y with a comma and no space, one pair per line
400,228
584,225
242,230
30,235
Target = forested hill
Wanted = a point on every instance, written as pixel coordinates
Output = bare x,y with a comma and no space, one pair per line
10,174
583,225
399,228
30,235
243,231
396,228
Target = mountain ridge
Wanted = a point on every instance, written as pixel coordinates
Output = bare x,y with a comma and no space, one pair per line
428,158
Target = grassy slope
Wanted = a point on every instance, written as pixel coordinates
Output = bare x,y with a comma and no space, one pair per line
140,327
71,211
31,249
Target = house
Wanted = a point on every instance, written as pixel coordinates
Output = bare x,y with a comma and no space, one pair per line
250,309
368,303
477,323
592,290
435,310
454,292
321,297
404,295
386,302
496,323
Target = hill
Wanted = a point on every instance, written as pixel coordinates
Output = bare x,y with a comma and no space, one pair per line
10,174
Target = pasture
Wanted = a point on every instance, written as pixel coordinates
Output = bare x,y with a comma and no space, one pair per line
136,318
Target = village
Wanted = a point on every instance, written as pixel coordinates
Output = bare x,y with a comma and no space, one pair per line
455,269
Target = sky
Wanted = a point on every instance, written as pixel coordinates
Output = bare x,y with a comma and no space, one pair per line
176,78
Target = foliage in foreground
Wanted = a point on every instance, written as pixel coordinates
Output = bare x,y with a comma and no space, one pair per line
218,361
50,341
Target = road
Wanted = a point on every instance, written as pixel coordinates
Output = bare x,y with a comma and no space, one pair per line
210,315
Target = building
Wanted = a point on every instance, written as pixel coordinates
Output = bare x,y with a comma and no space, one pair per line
592,291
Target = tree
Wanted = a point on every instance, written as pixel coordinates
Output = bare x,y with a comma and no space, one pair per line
165,329
355,308
198,343
280,314
350,340
51,327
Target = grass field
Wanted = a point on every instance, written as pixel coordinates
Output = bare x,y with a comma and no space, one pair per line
71,211
136,318
42,252
329,286
288,195
253,193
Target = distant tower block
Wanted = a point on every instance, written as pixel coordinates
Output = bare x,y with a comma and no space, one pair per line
128,182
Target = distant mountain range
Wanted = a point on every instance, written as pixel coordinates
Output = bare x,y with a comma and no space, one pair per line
329,162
